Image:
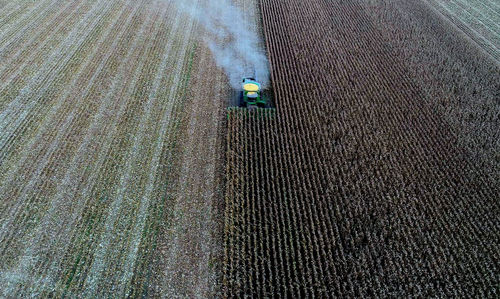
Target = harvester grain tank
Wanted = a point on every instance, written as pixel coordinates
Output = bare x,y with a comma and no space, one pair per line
251,94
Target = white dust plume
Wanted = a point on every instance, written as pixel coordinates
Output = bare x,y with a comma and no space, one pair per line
234,43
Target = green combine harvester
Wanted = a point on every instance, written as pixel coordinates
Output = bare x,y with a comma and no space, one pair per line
251,94
251,101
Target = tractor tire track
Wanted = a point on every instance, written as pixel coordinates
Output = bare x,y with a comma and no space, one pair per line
62,133
30,95
61,227
98,265
14,53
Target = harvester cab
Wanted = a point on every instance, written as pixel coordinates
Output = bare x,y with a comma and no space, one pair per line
251,94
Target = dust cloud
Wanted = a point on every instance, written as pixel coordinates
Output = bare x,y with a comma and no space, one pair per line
234,44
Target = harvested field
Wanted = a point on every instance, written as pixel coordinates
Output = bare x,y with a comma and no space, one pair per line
480,20
94,98
122,173
378,174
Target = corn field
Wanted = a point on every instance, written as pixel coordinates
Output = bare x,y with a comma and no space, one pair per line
378,174
126,172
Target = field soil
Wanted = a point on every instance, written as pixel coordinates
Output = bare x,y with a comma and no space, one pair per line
123,175
188,257
109,121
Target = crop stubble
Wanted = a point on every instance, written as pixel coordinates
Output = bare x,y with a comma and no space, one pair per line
91,100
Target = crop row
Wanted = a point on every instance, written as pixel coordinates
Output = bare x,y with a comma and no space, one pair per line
17,51
81,192
461,87
51,155
61,134
358,185
34,97
476,19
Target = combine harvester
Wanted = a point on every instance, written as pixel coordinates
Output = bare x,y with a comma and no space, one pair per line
252,100
251,94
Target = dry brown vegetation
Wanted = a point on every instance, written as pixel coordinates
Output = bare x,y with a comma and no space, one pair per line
378,174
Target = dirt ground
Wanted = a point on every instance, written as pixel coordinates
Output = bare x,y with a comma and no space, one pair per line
110,148
188,248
